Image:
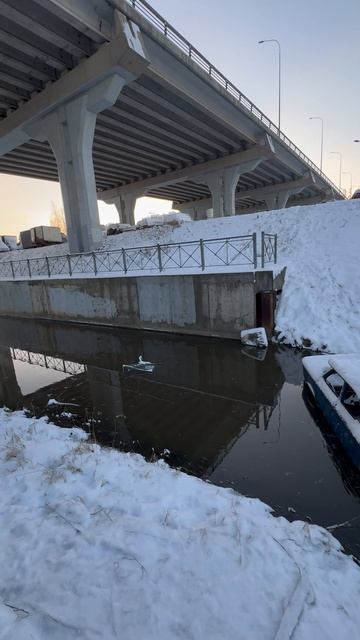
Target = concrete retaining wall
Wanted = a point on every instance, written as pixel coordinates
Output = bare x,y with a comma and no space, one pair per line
207,304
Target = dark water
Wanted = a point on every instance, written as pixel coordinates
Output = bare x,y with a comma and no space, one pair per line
239,419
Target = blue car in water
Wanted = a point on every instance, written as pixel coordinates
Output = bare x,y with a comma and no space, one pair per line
334,383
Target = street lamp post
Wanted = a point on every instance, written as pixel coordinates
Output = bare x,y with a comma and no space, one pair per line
279,70
337,153
322,138
347,173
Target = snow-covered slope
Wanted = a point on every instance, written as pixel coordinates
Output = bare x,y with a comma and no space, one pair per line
319,244
97,544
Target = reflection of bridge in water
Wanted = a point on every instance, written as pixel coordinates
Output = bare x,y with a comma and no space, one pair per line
203,396
49,362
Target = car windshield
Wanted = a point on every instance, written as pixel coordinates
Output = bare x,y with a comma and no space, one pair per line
335,382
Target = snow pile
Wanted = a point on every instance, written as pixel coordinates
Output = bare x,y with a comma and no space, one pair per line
101,544
3,246
173,218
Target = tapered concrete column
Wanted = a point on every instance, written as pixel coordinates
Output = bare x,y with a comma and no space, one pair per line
70,130
125,205
277,200
222,185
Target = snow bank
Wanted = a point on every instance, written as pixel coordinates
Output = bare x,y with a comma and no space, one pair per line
100,544
319,245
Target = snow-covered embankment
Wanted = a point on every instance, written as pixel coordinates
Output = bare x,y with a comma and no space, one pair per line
100,544
319,245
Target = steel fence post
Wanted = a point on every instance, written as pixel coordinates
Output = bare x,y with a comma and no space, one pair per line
94,260
124,259
275,249
159,257
29,268
254,250
69,264
12,269
262,249
202,254
47,266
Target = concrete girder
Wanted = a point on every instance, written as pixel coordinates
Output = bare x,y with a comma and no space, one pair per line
123,55
144,95
196,173
94,18
198,138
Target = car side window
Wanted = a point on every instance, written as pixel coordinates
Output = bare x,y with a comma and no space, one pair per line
334,382
350,401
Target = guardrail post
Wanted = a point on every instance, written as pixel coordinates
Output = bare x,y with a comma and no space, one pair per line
262,249
254,250
12,269
159,257
94,260
202,254
124,259
69,264
47,266
29,268
275,249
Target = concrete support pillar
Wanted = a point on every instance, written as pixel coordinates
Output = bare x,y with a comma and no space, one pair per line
197,210
125,205
277,200
70,130
223,183
10,393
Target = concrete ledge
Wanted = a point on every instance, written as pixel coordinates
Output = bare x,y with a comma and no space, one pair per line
208,304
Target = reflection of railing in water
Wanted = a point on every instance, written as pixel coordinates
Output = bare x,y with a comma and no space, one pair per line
49,362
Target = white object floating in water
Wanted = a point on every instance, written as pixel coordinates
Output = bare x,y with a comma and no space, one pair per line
141,365
254,337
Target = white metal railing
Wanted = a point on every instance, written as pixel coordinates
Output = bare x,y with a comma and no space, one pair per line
193,55
233,252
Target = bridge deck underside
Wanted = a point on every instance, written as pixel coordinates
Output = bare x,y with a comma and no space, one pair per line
154,127
149,132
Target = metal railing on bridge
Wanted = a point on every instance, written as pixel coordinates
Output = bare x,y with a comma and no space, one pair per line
48,362
157,21
237,253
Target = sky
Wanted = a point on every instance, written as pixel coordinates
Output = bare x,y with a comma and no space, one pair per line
320,47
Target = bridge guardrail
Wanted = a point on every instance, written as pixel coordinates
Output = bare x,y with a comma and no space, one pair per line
49,362
236,251
157,21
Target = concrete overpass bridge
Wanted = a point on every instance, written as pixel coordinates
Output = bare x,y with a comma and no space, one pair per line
108,98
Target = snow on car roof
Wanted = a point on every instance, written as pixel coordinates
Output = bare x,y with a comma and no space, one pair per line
348,367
